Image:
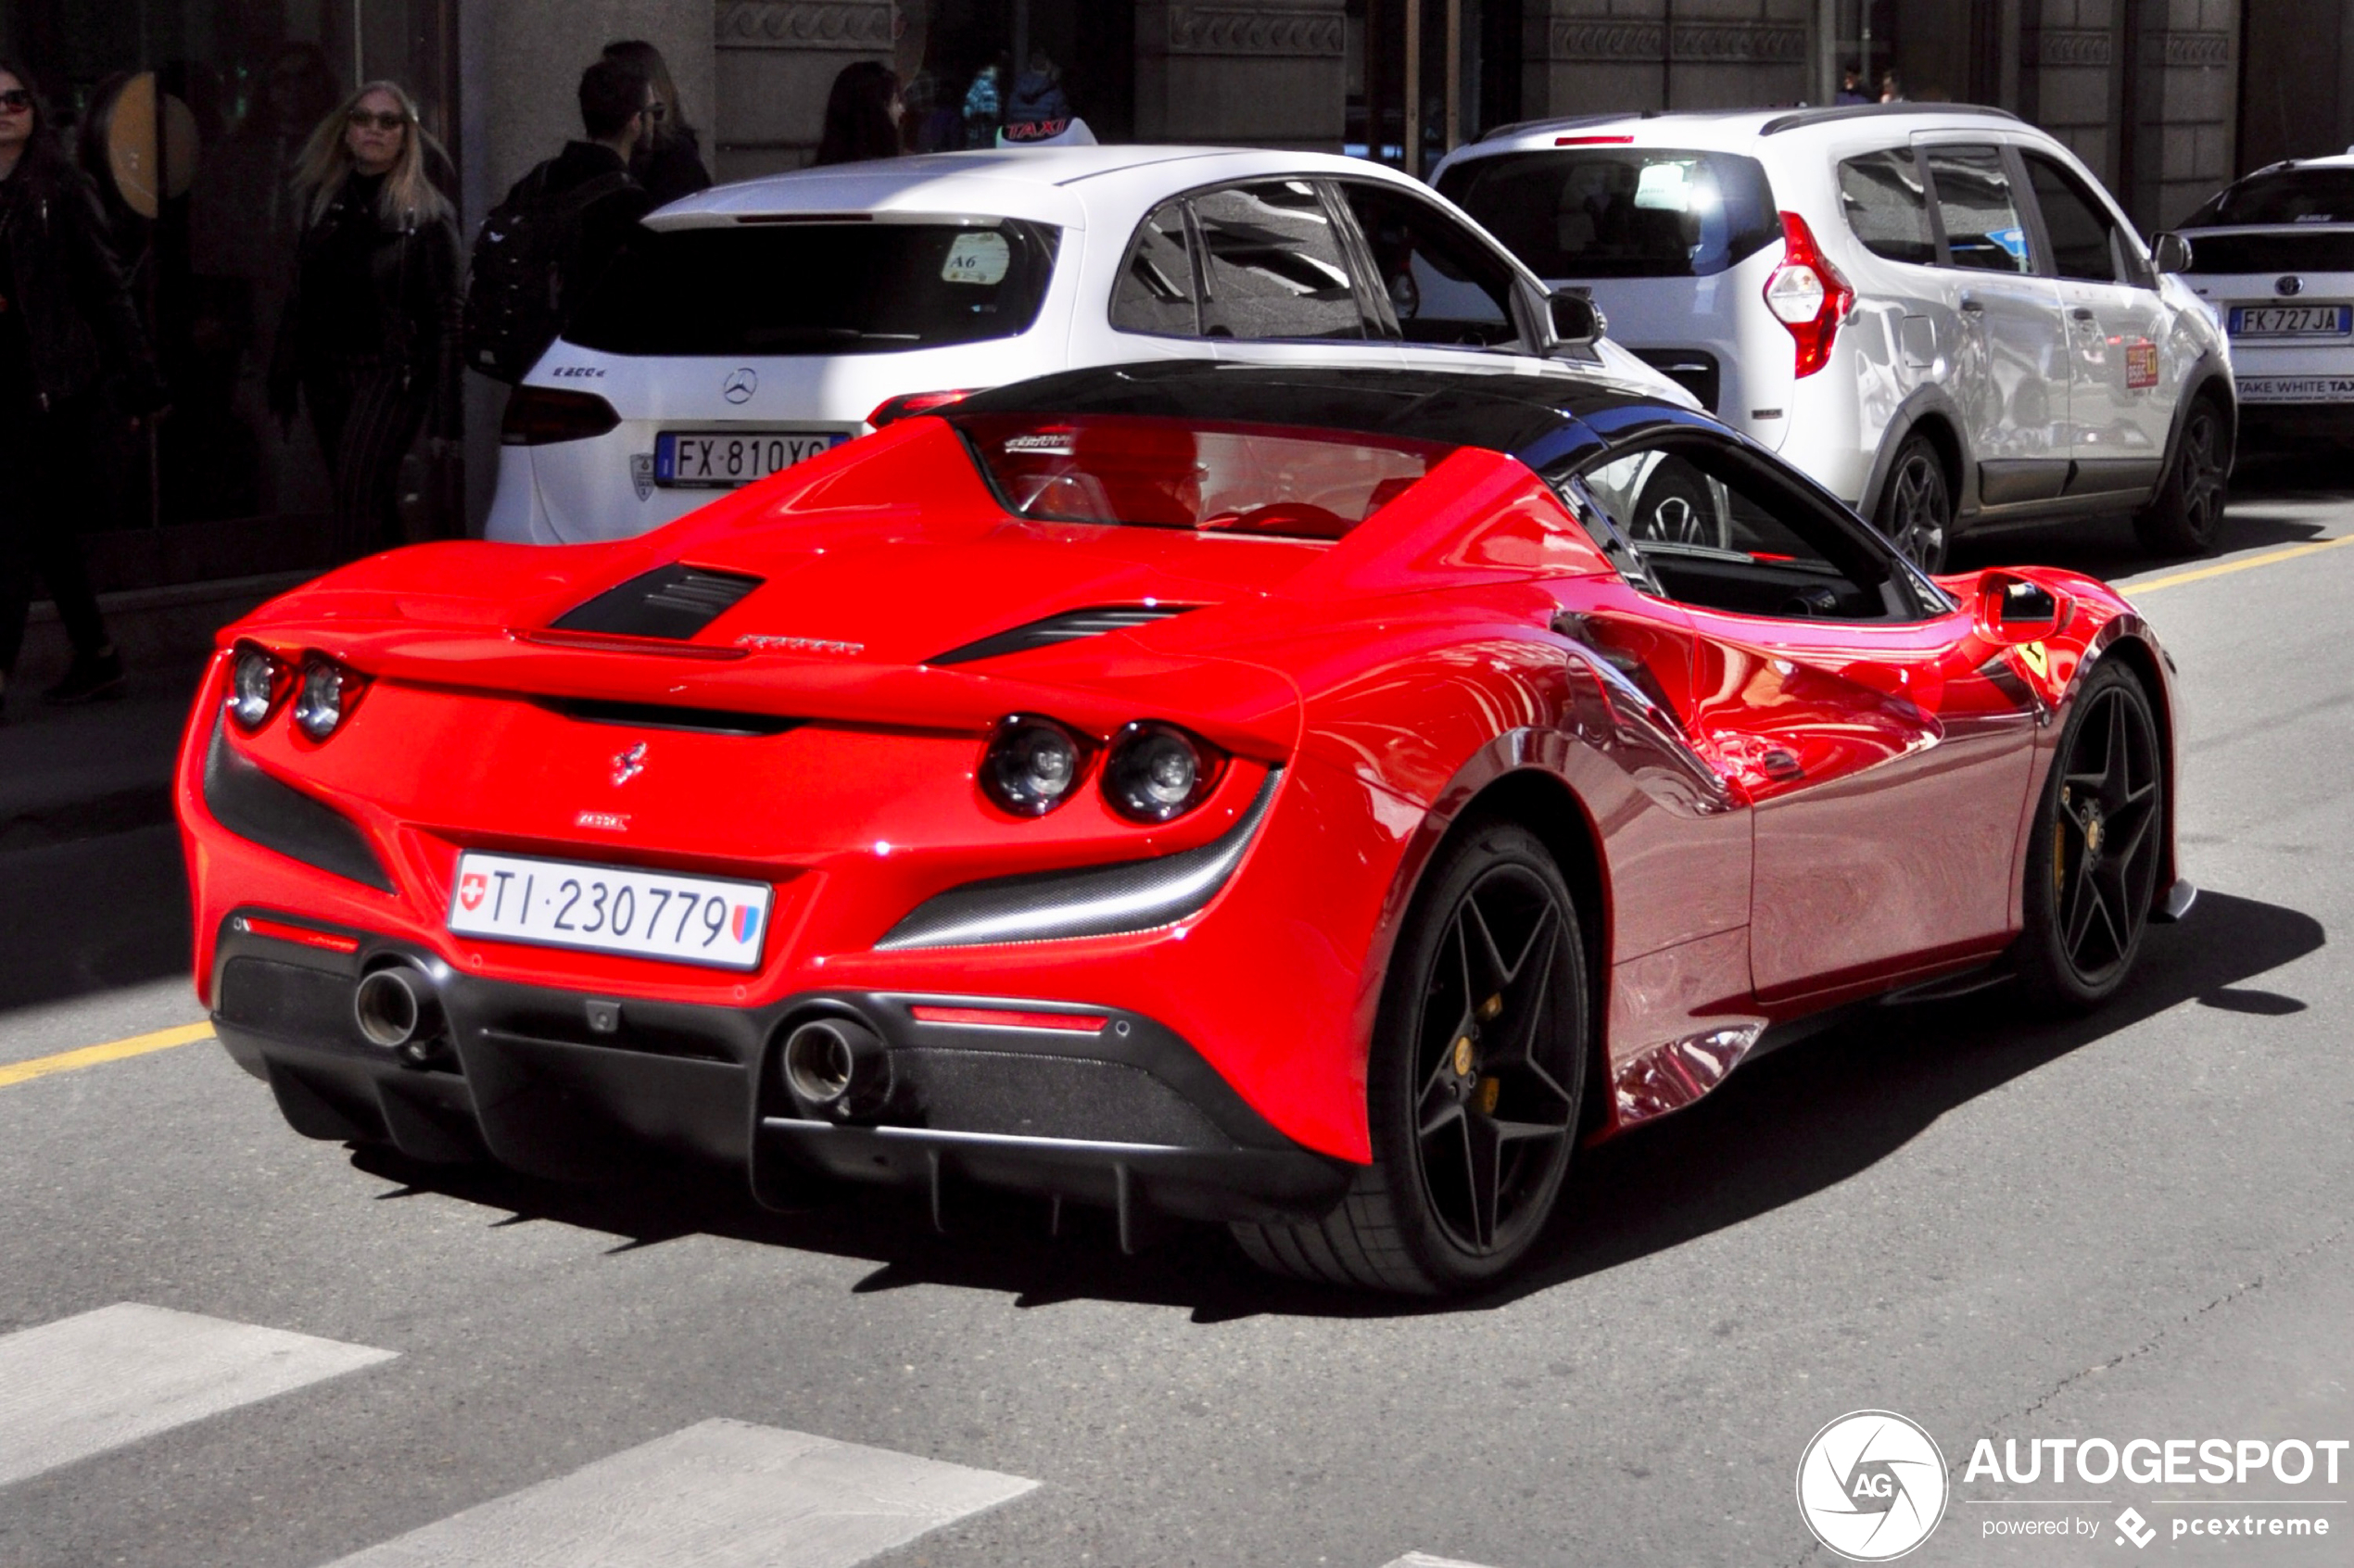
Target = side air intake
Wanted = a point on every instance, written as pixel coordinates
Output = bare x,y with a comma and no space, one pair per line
674,601
1070,626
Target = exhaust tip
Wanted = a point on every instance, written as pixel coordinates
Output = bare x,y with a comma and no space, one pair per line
837,1067
395,1009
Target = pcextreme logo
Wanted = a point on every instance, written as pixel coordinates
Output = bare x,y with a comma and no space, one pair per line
1871,1486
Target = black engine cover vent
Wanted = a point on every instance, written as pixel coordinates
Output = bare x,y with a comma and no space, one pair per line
674,601
1069,626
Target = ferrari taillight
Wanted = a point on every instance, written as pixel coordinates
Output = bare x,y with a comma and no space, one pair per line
1032,765
325,696
1808,295
258,681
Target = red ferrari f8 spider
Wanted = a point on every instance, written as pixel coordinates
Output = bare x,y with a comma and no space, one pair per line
1320,801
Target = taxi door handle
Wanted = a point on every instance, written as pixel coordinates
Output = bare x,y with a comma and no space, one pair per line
1973,305
2082,312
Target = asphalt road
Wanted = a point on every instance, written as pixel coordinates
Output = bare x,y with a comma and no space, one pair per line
2135,1226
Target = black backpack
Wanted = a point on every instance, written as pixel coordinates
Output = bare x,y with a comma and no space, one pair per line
515,301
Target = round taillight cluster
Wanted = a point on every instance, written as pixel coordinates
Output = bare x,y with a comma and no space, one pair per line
260,681
1152,772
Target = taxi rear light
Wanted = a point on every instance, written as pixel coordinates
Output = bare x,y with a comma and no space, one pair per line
541,416
1592,141
909,404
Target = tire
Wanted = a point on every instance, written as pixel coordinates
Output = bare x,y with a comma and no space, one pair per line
2186,518
1480,1047
1915,510
1676,507
2091,864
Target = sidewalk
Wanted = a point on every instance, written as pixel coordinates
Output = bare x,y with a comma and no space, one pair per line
67,773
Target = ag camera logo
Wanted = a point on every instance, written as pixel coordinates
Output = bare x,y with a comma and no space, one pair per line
1871,1486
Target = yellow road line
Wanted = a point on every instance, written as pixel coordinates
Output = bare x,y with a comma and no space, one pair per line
114,1051
2266,559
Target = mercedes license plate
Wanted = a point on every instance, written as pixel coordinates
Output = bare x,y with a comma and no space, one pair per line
721,460
2291,321
607,909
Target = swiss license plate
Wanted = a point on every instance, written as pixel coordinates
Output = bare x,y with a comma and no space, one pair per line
2291,321
607,909
722,460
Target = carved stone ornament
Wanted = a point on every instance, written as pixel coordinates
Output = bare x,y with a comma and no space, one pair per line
1235,30
858,26
2065,46
1698,43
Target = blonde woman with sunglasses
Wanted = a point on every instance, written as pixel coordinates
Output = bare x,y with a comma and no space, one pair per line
370,338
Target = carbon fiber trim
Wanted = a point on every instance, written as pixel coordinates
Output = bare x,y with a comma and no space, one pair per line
253,806
1136,896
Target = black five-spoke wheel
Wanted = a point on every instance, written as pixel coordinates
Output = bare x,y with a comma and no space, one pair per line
2092,869
1475,1083
1493,1120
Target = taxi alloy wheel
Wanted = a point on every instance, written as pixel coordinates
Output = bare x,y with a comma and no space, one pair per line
1916,510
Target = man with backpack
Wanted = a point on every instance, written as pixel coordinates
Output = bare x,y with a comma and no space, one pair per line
542,251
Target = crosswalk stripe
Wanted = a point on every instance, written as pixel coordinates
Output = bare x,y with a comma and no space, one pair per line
1425,1560
84,1385
720,1494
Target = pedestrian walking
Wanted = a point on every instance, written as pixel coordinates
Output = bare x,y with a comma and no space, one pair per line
541,252
670,163
863,114
73,351
370,336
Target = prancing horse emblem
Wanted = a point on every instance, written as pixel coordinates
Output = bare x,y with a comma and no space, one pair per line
628,764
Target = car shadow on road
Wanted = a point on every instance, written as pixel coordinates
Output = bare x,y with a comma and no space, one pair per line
1785,1127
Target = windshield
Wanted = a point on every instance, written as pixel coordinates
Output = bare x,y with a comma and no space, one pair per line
1620,212
818,288
1213,479
2288,196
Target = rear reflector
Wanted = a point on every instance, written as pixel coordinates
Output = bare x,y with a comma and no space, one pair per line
1010,1018
280,930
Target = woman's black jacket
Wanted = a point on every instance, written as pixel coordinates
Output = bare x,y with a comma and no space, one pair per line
414,280
76,305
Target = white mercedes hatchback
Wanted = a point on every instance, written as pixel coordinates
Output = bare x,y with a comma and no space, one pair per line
755,325
1934,310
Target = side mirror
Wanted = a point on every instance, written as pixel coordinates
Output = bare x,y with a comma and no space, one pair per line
2171,252
2013,611
1577,321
